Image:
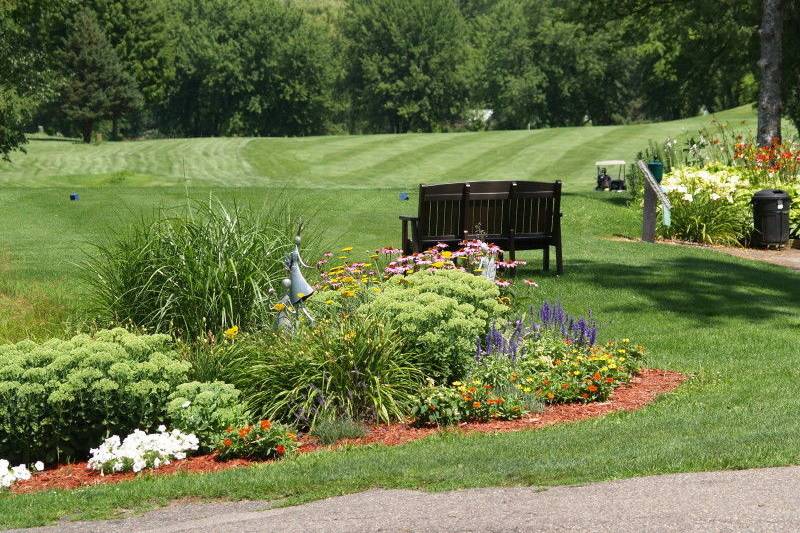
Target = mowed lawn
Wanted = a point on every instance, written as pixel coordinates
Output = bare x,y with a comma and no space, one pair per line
733,325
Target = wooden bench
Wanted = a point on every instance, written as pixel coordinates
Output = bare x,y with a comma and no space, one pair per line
515,215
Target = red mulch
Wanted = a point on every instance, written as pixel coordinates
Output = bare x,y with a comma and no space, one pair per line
642,389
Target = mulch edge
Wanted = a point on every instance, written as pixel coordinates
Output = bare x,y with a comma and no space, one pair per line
642,390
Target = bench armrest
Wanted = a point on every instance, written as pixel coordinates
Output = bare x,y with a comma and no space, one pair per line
408,244
407,218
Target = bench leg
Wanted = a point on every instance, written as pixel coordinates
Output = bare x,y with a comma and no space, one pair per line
559,260
546,259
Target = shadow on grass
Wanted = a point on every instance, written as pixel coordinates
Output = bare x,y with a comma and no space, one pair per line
703,288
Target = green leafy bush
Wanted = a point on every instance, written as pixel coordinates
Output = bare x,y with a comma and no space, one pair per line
61,397
203,269
350,367
265,440
206,410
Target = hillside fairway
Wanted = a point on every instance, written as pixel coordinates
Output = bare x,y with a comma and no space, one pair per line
731,324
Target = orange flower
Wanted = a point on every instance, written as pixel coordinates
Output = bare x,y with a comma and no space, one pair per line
266,424
227,442
281,449
244,431
476,405
229,430
487,386
550,395
565,385
592,388
596,376
609,380
291,436
584,395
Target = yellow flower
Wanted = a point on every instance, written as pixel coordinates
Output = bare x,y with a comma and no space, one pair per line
376,290
348,279
347,249
457,383
437,264
231,332
447,254
348,293
350,335
526,389
330,302
279,306
576,373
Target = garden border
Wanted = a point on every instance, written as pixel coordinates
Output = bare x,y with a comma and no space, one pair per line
643,389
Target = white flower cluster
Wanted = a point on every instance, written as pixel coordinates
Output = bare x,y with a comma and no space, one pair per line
11,474
141,450
718,184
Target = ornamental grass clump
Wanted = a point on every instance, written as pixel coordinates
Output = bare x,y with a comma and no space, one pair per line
61,397
347,367
189,272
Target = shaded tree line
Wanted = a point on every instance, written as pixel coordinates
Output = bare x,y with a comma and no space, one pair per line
304,67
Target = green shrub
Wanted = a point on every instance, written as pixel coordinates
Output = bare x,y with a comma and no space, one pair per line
61,397
265,440
202,269
206,410
440,315
351,367
330,431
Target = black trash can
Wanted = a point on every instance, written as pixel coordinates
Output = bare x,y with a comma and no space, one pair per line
770,218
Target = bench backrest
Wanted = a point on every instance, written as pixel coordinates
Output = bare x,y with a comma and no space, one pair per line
492,210
441,214
535,208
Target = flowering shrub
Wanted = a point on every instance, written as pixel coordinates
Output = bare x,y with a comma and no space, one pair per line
265,440
205,410
11,474
438,406
469,258
473,401
141,450
554,357
438,329
60,397
710,205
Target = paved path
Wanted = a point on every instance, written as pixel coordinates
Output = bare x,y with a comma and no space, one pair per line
753,500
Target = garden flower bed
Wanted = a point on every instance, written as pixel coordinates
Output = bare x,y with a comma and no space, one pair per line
642,390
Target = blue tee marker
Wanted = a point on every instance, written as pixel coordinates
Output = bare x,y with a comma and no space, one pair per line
403,196
74,197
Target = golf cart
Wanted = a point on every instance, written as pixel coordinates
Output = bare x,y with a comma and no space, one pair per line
606,181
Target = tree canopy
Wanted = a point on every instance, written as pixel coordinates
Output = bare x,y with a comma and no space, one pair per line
305,67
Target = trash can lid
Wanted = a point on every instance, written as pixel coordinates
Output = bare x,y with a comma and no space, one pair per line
771,194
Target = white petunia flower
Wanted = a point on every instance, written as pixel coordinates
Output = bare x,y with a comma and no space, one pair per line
38,466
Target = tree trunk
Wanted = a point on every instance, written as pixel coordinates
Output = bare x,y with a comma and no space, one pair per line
88,126
769,95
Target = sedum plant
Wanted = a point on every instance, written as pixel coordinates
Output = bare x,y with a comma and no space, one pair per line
60,397
206,410
439,315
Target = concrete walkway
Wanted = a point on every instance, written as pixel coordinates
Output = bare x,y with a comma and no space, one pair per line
752,500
